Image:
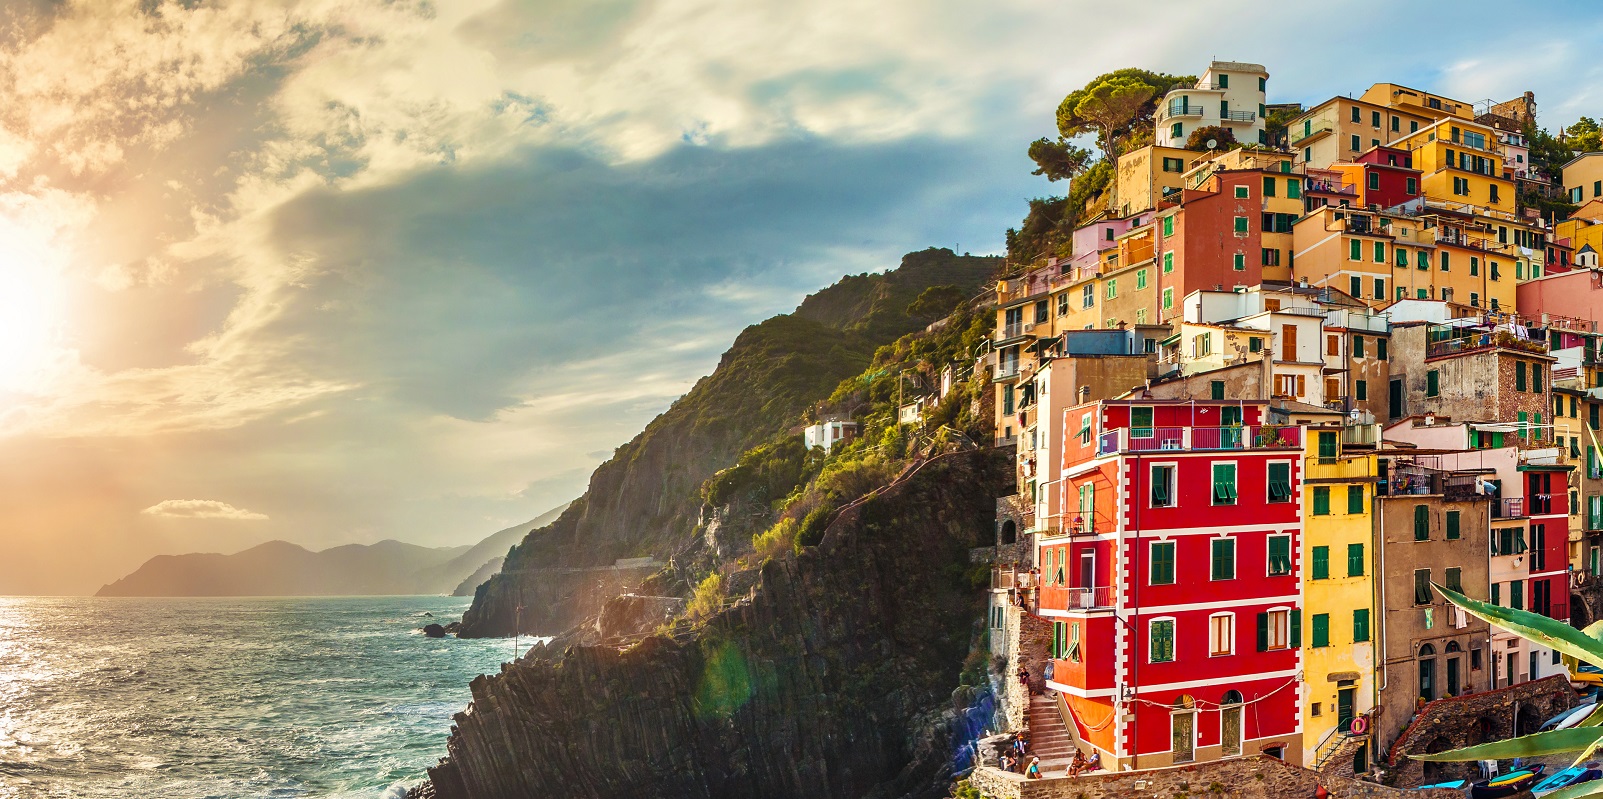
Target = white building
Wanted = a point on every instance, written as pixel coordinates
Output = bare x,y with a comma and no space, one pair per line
1230,94
828,433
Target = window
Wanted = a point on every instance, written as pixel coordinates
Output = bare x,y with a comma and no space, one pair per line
1141,421
1446,262
1242,192
1255,344
1168,262
1519,375
1223,562
1422,586
1361,390
1279,555
1355,499
1221,634
1321,500
1168,302
1356,286
1271,256
1402,256
1413,126
1355,143
1355,250
1421,523
1162,563
1161,647
1224,81
1140,279
1277,629
1168,224
1358,114
1358,342
1261,83
1240,260
1216,389
1113,287
1360,625
1452,525
1176,131
1432,384
1374,181
1293,186
1380,349
1380,288
1279,482
1536,383
1269,187
1321,631
1224,484
1453,580
1241,222
1374,119
1172,165
1321,563
1516,594
1411,185
1355,560
1474,266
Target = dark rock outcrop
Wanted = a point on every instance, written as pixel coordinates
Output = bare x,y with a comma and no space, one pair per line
838,675
645,500
434,630
631,615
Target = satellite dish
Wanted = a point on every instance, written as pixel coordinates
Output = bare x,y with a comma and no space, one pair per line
1213,144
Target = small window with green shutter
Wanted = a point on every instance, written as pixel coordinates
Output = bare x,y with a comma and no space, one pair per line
1360,625
1321,500
1241,224
1355,560
1162,486
1168,227
1223,566
1321,563
1380,252
1162,563
1453,582
1380,349
1279,482
1361,390
1421,523
1358,346
1141,421
1452,524
1321,631
1293,186
1355,499
1516,594
1519,376
1536,378
1422,586
1269,186
1279,555
1327,447
1162,645
1355,250
1224,484
1216,389
1433,386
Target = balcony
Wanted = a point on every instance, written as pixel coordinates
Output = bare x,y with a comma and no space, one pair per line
1012,330
1511,508
1358,321
1160,439
1311,131
1237,116
1331,187
1184,110
1089,598
1455,341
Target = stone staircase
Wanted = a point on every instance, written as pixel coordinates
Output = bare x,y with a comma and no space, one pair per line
1050,739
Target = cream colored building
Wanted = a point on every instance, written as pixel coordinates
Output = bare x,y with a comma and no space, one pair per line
1340,128
1229,94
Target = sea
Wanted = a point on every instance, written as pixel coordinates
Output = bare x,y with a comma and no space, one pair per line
229,698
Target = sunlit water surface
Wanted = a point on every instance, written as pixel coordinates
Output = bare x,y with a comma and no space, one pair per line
228,697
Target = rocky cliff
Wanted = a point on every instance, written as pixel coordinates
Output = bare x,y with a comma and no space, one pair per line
837,675
645,500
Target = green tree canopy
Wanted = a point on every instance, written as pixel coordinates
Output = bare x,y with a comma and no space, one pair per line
1058,160
1584,136
1222,137
1112,113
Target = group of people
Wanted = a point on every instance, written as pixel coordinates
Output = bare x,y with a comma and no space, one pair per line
1082,764
1016,758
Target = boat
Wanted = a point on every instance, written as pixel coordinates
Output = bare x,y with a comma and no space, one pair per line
1455,785
1566,778
1506,784
1568,718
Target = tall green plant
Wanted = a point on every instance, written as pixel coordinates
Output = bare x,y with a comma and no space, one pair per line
1575,646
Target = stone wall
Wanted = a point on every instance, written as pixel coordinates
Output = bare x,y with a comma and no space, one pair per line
1467,720
1256,777
1028,637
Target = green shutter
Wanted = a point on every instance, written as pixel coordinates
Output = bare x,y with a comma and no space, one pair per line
1224,484
1294,639
1358,342
1279,482
1453,579
1321,567
1224,559
1241,224
1355,560
1160,487
1293,187
1519,375
1321,501
1421,523
1360,625
1321,631
1452,524
1216,390
1355,499
1163,563
1432,383
1380,349
1279,555
1516,594
1422,587
1168,226
1263,632
1327,446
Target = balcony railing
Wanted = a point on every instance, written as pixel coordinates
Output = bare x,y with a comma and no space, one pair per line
1184,110
1090,598
1510,508
1480,340
1157,439
1317,129
1237,116
1013,330
1331,187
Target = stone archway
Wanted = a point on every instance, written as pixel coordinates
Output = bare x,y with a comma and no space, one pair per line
1526,719
1439,772
1010,532
1484,730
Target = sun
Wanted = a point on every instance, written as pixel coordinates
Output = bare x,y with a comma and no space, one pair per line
30,320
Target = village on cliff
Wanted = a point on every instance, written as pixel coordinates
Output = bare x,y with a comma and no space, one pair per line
1283,381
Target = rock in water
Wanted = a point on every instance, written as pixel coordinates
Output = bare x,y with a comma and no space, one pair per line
434,631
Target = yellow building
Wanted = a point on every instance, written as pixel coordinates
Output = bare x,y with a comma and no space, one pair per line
1338,596
1340,128
1402,98
1461,165
1583,178
1147,174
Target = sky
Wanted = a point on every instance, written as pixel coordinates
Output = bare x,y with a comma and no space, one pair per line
338,271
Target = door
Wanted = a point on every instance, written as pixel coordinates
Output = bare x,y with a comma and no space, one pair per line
1182,723
1230,420
1288,342
1452,676
1508,675
1087,570
1230,730
1394,402
1344,707
1427,678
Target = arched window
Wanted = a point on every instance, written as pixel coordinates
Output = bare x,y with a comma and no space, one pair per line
1231,698
1427,651
1452,646
1427,672
1010,532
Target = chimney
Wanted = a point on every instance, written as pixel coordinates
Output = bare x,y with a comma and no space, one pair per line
1085,394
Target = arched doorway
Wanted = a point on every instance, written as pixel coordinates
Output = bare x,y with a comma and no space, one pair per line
1437,772
1427,672
1527,719
1454,684
1230,731
1010,532
1484,730
1183,729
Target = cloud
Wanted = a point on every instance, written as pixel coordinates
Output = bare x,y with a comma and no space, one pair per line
202,509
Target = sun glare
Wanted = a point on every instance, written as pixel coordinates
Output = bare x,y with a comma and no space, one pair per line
30,314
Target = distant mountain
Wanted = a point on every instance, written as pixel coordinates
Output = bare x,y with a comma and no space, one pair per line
279,568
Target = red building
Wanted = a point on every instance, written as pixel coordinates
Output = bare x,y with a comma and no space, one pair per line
1385,177
1547,502
1173,588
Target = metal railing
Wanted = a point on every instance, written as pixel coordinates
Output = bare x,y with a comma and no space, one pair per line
1088,598
1157,439
1184,110
1237,116
1310,132
1013,330
1331,187
1510,508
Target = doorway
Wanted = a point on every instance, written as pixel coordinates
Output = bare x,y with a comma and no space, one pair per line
1394,400
1345,699
1182,727
1230,724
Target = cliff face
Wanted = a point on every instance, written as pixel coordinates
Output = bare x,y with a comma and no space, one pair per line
645,500
831,679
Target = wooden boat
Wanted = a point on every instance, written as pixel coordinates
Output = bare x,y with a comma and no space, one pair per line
1506,784
1564,779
